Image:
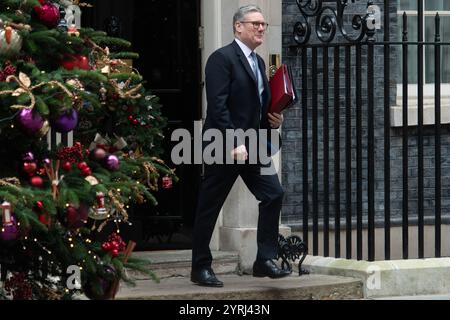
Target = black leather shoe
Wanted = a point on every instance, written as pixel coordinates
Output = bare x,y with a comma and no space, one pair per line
268,268
205,277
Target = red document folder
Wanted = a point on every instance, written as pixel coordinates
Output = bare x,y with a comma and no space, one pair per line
282,90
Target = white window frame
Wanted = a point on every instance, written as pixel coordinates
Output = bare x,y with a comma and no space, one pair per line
428,89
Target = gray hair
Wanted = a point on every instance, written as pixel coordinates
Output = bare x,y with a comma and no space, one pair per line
242,11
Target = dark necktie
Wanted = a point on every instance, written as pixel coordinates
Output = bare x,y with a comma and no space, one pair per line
255,69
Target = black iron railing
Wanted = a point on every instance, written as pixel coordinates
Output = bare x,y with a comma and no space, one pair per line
320,34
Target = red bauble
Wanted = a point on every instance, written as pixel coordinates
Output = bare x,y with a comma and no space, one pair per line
45,219
40,205
86,172
167,182
82,165
76,61
37,182
67,166
48,14
30,167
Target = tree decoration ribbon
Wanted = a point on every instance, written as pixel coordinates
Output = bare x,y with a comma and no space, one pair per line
11,25
25,87
151,174
53,175
106,144
10,182
104,62
125,91
76,3
117,204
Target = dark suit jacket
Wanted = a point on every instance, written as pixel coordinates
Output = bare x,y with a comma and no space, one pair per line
232,93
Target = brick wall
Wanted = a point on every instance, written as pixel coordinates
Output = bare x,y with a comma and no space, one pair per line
292,152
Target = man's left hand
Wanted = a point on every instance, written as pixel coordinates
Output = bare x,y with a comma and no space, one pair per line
275,120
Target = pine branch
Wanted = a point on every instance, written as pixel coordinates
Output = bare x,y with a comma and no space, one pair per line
124,55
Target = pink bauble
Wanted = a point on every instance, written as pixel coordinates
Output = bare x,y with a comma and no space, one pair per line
112,162
30,122
48,14
65,122
98,154
9,232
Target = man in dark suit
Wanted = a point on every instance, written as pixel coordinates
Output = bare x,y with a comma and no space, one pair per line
238,97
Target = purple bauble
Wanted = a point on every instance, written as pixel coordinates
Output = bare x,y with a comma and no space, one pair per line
28,157
66,122
9,232
112,162
48,14
30,122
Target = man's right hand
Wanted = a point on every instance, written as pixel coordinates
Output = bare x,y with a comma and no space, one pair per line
240,153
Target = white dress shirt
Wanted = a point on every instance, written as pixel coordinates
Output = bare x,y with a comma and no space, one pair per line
248,53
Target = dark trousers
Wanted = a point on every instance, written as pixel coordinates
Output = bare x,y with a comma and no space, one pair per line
215,187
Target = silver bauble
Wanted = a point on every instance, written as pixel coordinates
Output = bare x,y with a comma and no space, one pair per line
14,45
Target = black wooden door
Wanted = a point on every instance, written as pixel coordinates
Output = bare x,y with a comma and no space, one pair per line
165,34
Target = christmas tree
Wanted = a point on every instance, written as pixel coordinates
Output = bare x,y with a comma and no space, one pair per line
57,80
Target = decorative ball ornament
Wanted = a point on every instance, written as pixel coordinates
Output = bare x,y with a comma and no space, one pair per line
37,182
65,122
112,162
86,172
82,165
98,154
76,61
28,157
30,167
43,216
10,42
167,182
48,14
84,168
40,205
67,166
30,122
45,219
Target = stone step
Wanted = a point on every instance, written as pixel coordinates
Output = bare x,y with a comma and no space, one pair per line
306,287
177,263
